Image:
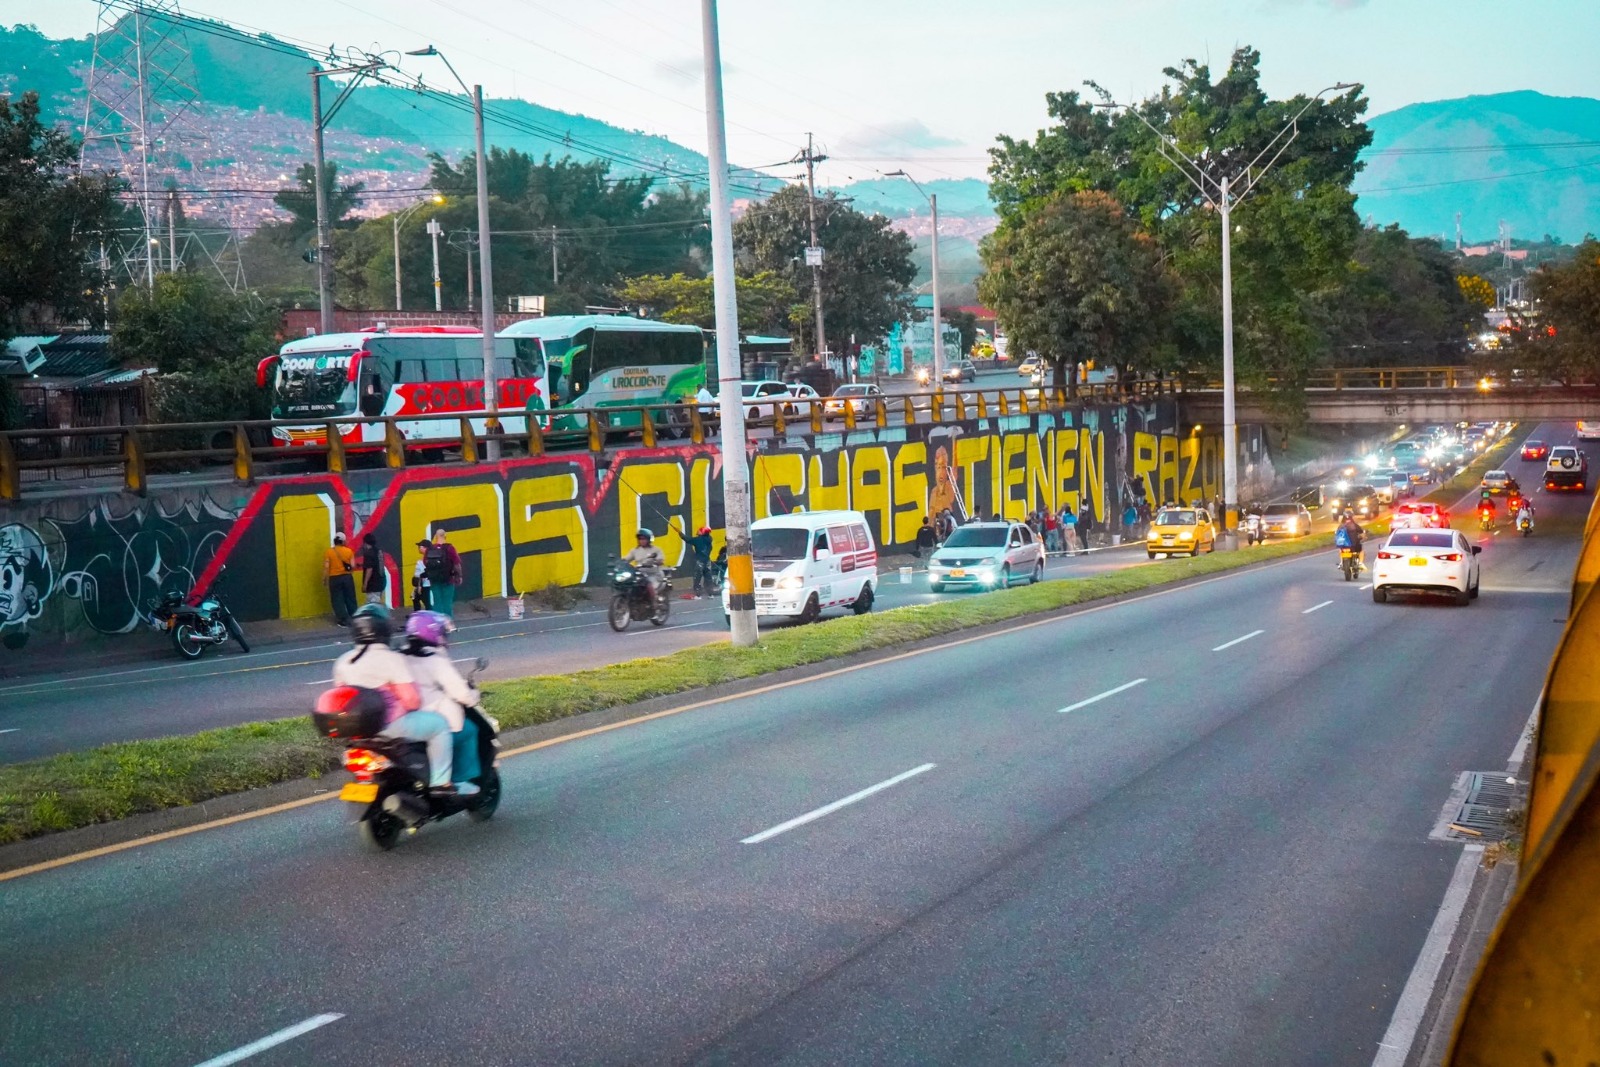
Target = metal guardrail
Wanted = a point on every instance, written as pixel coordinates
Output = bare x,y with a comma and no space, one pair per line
1398,378
1536,996
138,448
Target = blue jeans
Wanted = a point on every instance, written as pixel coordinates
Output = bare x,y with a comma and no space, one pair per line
464,744
429,727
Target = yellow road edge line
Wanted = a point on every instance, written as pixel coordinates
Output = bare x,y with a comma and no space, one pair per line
216,824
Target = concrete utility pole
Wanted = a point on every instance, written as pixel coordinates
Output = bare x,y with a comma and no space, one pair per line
324,246
1221,193
172,230
434,230
555,261
814,250
735,465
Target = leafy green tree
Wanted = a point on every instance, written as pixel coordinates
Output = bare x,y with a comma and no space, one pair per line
1295,235
866,270
51,217
1563,341
204,340
768,302
300,201
1401,304
967,323
1075,279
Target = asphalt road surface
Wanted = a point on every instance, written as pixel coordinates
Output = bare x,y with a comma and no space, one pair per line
1189,828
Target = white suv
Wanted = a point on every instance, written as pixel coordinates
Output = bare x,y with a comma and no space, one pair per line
986,555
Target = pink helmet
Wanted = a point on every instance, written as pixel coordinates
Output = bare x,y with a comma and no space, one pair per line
430,628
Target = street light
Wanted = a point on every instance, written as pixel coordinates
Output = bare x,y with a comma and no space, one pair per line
491,384
1220,194
400,219
938,308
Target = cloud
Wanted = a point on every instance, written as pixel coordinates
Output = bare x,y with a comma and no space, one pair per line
895,137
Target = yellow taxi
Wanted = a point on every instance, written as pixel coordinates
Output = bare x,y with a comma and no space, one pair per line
1181,531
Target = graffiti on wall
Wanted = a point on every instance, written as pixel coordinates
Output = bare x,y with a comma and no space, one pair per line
523,524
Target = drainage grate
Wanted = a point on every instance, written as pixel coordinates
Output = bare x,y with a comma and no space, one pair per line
1479,807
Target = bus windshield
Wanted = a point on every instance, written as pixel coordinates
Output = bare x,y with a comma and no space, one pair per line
314,385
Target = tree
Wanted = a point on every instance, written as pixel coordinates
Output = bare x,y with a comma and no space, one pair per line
204,341
865,274
300,201
1476,290
51,217
1401,304
1295,235
768,302
1563,342
967,323
1075,279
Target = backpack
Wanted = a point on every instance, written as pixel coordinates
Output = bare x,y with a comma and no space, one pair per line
1341,538
436,565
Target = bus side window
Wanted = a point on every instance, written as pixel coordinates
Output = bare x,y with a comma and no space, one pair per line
578,374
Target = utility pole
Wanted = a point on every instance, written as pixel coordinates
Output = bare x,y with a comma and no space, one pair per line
172,229
814,250
434,230
398,299
735,465
491,379
324,271
938,307
1230,424
555,261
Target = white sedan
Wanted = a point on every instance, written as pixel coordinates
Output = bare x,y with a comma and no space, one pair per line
1426,561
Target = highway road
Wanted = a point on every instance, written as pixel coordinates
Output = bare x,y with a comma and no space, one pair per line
1190,828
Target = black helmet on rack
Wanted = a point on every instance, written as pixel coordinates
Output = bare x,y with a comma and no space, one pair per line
370,625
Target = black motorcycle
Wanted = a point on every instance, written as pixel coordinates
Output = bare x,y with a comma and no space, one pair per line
195,627
630,598
392,774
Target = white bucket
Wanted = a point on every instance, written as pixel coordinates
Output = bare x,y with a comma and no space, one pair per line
905,575
1116,539
515,607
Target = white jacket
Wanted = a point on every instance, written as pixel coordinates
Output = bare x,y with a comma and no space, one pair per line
441,687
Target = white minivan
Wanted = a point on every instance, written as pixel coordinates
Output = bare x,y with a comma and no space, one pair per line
810,561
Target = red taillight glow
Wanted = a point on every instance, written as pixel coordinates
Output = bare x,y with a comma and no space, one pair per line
1388,555
1450,557
364,763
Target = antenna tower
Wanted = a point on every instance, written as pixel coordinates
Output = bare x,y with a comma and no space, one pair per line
141,88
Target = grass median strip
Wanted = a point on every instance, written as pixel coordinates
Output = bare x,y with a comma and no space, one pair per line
115,781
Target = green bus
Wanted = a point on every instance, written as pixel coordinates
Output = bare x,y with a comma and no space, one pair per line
600,361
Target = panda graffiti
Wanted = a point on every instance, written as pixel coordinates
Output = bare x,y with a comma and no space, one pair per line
26,579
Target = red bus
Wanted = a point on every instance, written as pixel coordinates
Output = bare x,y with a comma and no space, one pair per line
412,370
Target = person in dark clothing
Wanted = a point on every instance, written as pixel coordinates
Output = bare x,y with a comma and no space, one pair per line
700,545
926,538
373,580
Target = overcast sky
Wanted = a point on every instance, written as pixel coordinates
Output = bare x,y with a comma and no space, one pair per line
927,84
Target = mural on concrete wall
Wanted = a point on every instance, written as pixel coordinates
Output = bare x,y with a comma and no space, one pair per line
523,524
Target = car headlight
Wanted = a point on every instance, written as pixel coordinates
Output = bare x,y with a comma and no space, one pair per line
794,581
1187,535
1293,525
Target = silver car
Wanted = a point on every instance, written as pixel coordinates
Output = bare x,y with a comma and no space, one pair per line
986,555
1286,520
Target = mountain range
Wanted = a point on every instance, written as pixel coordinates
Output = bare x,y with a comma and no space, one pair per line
1529,161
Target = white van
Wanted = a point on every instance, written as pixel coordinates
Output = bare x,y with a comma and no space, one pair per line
810,561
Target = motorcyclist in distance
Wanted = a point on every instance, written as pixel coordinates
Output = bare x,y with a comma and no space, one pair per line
649,561
442,689
372,664
1350,533
1486,507
1525,514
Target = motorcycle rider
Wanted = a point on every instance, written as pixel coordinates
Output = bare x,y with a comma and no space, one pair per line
649,561
1350,535
1486,508
1525,514
372,664
442,689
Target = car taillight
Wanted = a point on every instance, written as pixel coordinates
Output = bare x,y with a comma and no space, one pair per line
1450,557
364,763
1388,555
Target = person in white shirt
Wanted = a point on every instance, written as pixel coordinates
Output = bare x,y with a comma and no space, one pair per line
372,664
442,689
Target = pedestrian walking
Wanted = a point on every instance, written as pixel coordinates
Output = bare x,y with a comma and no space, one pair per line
927,538
338,571
700,545
420,600
1069,531
1052,531
444,573
1085,525
373,580
1130,522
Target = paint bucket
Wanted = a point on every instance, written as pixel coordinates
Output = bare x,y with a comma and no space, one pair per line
515,608
905,575
1116,539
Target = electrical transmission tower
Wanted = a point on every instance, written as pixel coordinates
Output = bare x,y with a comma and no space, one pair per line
141,88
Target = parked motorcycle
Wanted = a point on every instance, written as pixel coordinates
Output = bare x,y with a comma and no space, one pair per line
391,774
1349,563
630,598
196,626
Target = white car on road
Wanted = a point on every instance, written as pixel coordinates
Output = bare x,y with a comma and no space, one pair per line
1426,561
986,555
